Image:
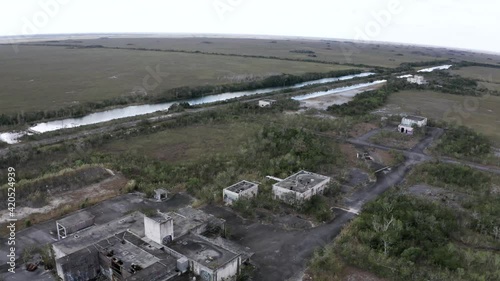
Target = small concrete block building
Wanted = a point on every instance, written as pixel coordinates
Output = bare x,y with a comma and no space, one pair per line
159,229
241,189
266,103
300,187
417,79
73,223
207,260
160,195
408,122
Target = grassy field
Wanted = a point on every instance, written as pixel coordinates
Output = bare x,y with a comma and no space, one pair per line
53,76
487,74
45,78
479,113
187,144
395,139
324,50
488,78
490,86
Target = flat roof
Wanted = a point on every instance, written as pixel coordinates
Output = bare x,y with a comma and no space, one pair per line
188,218
241,186
415,118
202,251
166,266
156,272
126,252
75,218
302,181
160,218
155,263
84,238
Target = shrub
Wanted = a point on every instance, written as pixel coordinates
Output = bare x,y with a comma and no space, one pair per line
318,207
464,142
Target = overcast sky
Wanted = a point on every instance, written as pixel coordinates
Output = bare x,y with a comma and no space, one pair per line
451,23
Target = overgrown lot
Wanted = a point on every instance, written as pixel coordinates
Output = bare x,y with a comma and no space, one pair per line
202,152
478,113
396,139
37,192
403,237
462,142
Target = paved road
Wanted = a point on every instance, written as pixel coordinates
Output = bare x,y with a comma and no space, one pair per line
283,254
417,153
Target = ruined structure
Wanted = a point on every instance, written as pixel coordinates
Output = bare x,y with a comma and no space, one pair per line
266,103
408,122
158,247
300,187
160,195
417,79
241,189
207,260
73,223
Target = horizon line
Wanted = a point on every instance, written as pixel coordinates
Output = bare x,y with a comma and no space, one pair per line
238,36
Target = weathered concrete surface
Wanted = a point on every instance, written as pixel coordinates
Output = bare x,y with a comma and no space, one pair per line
104,212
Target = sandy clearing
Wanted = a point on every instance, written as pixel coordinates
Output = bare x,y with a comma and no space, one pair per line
105,187
323,102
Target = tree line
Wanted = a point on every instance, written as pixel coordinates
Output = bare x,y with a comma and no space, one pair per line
175,94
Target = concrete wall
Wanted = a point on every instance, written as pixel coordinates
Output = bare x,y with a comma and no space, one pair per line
409,122
251,192
78,225
405,129
58,253
280,193
229,196
203,272
318,189
290,196
156,231
80,266
229,270
264,103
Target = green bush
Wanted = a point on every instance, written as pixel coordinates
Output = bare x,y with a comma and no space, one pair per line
460,177
399,237
317,207
464,142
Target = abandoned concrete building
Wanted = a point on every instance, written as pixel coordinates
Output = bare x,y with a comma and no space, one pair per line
74,223
266,103
157,248
300,187
241,189
408,122
160,195
416,79
205,259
